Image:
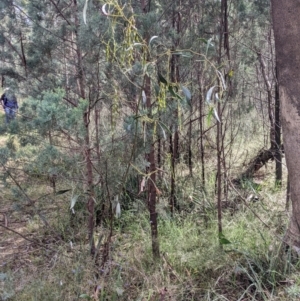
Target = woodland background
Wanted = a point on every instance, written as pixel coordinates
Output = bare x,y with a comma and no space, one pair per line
146,160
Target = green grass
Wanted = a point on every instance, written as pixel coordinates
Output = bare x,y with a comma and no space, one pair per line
193,264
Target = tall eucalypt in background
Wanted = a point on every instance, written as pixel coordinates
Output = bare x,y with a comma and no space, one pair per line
10,104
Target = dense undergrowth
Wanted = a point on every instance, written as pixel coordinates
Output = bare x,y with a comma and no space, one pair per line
108,96
247,265
46,250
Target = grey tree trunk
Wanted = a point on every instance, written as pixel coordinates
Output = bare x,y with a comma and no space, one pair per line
286,24
87,147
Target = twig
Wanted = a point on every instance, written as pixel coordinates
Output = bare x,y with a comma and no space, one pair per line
245,202
30,201
30,240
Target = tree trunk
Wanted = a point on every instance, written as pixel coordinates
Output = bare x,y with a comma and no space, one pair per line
174,74
87,146
90,180
152,192
172,191
286,24
190,154
270,99
201,128
220,141
152,181
152,204
278,156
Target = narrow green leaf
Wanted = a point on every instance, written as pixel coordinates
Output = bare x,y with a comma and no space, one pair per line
208,44
170,88
152,38
73,201
144,97
165,127
216,115
183,54
203,40
84,11
163,131
104,10
162,79
187,55
179,97
85,296
173,93
178,53
118,210
208,94
62,191
223,240
186,92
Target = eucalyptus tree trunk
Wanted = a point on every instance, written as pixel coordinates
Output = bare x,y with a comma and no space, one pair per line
286,24
152,189
278,155
174,141
87,147
152,192
223,34
201,128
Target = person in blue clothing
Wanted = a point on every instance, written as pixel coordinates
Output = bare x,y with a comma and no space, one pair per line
10,105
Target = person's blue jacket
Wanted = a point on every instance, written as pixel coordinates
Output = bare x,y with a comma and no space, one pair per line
9,101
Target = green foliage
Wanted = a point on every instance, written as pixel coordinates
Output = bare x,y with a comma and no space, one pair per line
81,78
251,265
50,114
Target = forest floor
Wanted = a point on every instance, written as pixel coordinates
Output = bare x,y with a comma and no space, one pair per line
15,244
15,250
43,257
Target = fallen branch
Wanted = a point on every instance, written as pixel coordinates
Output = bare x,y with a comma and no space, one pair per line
261,159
